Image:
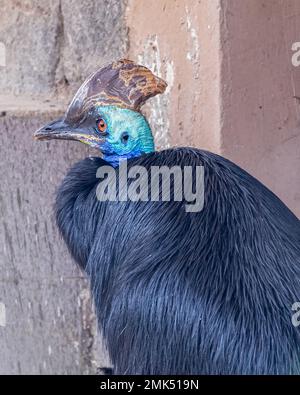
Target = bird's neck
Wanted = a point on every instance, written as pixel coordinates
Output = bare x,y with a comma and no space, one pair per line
145,145
114,159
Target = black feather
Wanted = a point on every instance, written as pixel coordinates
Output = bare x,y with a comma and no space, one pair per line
189,293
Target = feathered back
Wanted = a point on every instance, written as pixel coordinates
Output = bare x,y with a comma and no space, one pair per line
189,293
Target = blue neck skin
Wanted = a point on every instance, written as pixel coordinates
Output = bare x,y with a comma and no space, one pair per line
120,122
114,160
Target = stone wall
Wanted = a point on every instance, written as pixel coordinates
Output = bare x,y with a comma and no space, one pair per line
232,89
51,47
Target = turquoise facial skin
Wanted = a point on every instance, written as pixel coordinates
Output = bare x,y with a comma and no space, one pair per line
127,135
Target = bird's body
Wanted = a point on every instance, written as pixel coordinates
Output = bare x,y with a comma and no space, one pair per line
177,292
189,293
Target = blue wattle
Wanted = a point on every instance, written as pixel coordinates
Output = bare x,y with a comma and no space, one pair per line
119,121
114,159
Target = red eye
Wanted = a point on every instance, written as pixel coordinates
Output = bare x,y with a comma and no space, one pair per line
101,125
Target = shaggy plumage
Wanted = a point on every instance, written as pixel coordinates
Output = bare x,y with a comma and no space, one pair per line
189,293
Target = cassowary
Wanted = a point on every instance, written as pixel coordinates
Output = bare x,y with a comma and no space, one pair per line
176,292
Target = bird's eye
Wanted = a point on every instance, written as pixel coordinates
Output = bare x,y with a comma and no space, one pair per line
101,125
124,137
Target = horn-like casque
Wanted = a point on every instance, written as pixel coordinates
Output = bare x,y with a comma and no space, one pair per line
123,83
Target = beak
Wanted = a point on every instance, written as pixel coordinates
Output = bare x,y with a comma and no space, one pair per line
62,130
55,130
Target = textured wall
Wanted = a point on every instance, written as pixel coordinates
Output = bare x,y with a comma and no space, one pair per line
260,113
232,86
46,320
180,41
53,45
30,30
43,292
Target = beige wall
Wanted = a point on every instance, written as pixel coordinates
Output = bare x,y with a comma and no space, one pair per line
180,39
231,81
260,115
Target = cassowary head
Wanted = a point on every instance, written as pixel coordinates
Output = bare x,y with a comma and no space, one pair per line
105,112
